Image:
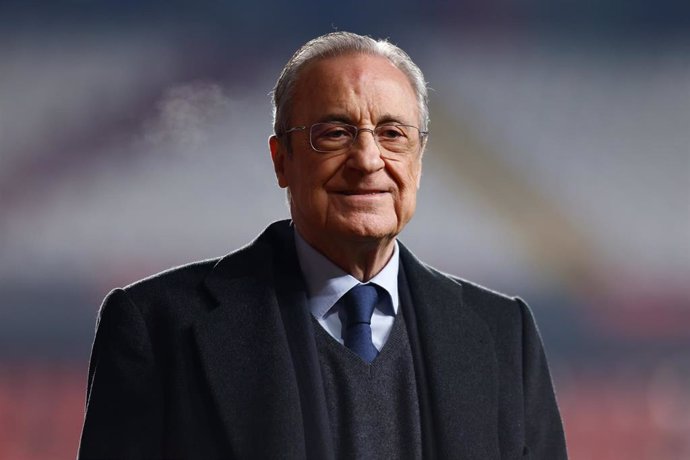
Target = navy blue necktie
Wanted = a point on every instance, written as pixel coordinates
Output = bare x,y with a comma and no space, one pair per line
359,305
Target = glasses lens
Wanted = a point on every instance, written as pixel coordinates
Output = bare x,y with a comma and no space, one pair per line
328,137
397,138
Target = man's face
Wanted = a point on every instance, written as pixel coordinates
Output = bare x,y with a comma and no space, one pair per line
360,194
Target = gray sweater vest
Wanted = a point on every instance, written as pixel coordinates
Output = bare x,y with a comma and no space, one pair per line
373,408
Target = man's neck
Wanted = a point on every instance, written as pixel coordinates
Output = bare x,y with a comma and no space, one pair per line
361,258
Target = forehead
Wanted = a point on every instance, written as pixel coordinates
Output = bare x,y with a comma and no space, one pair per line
360,87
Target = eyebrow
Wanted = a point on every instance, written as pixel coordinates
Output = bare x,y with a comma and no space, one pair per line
340,118
331,117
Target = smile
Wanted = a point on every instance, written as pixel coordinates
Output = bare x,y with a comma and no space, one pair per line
360,193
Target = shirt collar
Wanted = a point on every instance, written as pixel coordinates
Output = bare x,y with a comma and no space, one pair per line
327,283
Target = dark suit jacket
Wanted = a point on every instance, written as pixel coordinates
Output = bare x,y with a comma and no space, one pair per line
218,360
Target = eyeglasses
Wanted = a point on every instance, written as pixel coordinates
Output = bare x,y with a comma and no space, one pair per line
334,137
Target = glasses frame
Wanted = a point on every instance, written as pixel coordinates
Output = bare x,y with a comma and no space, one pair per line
422,134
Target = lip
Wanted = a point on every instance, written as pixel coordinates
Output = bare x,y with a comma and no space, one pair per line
360,192
361,197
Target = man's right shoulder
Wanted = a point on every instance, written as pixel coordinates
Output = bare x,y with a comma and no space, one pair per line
183,278
197,286
178,277
163,293
177,288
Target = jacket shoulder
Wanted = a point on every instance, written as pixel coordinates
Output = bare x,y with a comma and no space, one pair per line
470,291
180,278
480,298
496,309
477,292
499,310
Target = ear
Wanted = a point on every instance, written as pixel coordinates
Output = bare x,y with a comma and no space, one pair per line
279,157
419,175
421,156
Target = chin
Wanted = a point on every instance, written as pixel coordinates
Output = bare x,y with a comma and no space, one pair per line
368,228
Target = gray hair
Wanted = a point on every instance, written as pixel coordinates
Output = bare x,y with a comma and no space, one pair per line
339,44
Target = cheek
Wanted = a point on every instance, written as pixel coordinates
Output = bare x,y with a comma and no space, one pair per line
408,177
409,186
415,179
307,183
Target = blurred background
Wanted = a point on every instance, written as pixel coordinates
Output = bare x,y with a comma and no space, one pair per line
133,138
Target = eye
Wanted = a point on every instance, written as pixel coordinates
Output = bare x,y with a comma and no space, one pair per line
332,131
329,137
335,133
390,132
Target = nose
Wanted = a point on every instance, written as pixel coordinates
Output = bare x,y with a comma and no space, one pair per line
365,153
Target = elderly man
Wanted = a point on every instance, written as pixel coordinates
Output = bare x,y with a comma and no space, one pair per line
325,337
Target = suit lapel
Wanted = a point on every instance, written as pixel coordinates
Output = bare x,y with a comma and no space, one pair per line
246,358
296,317
458,354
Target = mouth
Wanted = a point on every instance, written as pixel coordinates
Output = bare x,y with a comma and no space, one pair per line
365,192
360,193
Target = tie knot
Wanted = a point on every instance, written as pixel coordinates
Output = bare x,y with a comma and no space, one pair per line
360,302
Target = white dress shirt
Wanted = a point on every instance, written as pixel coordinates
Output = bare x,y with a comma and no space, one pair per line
327,283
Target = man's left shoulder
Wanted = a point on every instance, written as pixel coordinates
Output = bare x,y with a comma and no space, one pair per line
494,307
470,291
475,292
491,304
484,300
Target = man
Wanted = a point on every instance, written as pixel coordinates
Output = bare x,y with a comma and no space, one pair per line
325,337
